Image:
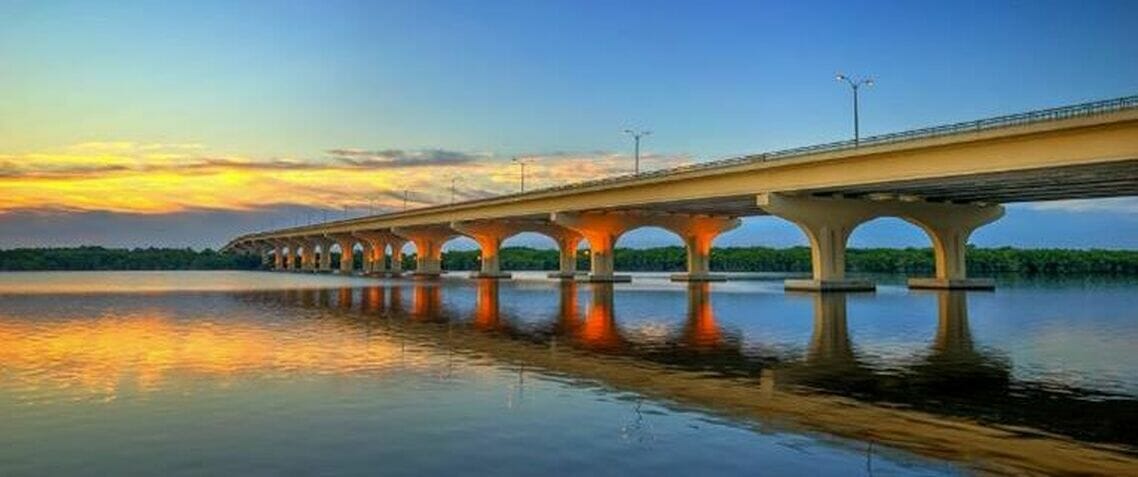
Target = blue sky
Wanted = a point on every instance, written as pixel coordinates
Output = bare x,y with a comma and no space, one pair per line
265,81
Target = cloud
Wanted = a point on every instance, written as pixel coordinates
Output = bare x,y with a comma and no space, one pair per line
8,171
127,177
1125,205
400,158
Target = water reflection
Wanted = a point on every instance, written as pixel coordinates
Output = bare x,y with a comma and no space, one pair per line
952,399
599,331
426,302
953,364
700,331
486,314
960,398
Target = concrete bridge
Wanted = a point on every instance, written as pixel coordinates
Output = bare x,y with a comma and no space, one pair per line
947,180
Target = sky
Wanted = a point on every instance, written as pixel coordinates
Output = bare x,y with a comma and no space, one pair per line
153,123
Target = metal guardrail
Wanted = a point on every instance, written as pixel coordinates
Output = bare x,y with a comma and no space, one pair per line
997,122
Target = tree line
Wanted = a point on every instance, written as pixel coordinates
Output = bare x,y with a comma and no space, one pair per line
729,259
797,259
99,258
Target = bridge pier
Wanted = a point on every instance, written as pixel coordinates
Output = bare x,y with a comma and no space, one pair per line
949,227
347,255
290,256
278,256
567,244
395,268
265,250
828,223
324,264
491,233
698,231
489,236
602,229
428,248
374,252
308,255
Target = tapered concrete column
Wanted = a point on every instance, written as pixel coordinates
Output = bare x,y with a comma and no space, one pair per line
347,255
365,257
377,256
292,257
567,255
949,227
299,246
324,264
396,267
601,229
375,246
265,249
698,231
489,236
827,224
278,256
428,248
308,256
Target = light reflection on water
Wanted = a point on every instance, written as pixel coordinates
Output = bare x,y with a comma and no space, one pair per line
633,378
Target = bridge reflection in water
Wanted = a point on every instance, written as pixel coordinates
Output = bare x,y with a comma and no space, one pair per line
953,401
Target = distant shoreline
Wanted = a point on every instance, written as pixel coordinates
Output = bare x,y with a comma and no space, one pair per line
1004,260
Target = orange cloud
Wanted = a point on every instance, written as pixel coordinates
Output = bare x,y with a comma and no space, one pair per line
129,177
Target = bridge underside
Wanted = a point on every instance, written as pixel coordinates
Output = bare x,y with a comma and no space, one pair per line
1055,183
1063,183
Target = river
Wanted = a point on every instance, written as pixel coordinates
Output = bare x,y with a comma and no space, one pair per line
260,373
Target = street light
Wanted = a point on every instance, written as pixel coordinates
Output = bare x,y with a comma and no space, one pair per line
522,163
636,135
855,85
453,179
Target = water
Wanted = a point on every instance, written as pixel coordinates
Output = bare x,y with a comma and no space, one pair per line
222,373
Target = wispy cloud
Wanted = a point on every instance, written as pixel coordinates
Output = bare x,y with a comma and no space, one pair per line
400,158
1126,205
150,178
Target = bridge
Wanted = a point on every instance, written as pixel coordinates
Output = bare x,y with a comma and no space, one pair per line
947,180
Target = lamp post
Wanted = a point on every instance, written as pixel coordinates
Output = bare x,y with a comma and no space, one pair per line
636,135
522,163
855,86
453,179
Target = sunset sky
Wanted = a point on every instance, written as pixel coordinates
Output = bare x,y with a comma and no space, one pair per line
186,123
